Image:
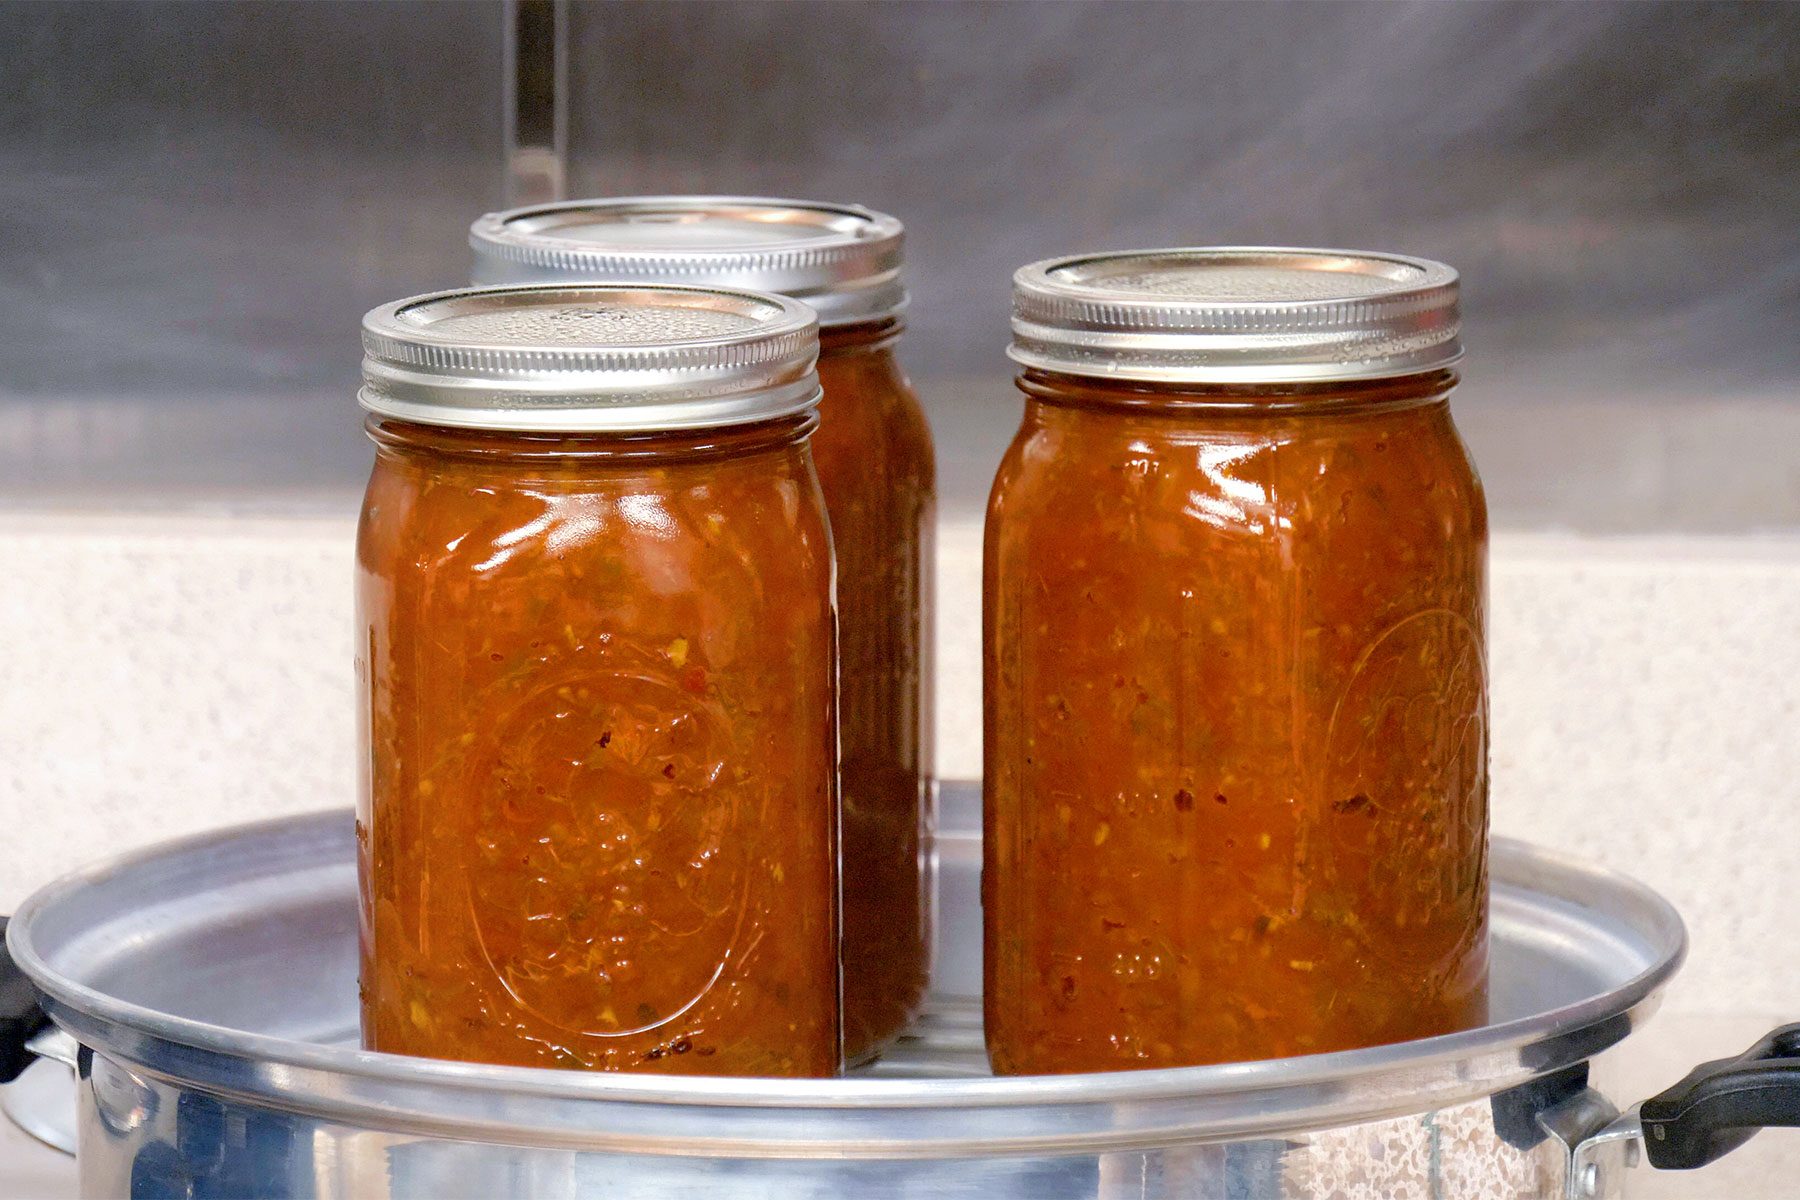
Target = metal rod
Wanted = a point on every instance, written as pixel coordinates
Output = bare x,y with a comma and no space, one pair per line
537,100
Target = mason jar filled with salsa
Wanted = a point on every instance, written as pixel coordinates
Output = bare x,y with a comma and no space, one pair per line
595,649
874,456
1235,630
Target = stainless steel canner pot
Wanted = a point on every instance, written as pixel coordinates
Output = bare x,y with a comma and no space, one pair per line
210,987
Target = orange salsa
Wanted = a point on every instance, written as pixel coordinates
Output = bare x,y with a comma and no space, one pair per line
1236,736
598,827
875,462
874,455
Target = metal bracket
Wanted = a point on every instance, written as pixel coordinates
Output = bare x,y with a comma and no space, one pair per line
56,1046
1602,1144
1601,1160
42,1100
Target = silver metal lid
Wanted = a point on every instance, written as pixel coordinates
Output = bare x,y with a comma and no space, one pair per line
590,357
842,259
1236,314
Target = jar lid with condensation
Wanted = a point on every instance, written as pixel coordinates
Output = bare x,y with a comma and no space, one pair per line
590,357
1236,314
841,259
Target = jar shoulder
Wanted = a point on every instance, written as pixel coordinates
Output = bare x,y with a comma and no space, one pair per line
691,529
1105,476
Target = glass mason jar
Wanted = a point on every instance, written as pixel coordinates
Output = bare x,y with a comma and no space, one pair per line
594,595
874,456
1235,630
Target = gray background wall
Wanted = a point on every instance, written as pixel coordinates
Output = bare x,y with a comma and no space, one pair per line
1615,180
197,201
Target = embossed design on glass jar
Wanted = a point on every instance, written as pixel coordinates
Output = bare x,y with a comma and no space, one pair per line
1406,778
595,779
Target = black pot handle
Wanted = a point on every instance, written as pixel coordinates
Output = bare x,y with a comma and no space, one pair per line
1721,1105
20,1016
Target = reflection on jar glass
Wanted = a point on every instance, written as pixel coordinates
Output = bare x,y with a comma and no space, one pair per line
598,827
874,456
1236,741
